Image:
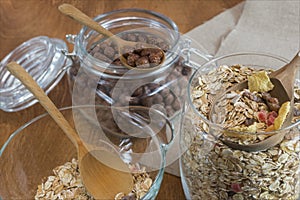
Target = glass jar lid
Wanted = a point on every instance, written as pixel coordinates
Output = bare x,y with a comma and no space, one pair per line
42,57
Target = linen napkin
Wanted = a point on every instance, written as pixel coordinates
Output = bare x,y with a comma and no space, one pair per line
252,26
211,34
268,27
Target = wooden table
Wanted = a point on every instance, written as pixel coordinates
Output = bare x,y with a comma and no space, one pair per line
22,20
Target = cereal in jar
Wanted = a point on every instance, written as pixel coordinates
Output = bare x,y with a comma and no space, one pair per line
212,169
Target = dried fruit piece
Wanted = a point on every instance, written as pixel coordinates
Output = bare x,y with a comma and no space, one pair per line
260,82
270,128
272,102
271,118
236,187
262,116
282,114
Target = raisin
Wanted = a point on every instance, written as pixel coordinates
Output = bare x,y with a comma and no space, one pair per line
273,106
273,100
249,121
266,96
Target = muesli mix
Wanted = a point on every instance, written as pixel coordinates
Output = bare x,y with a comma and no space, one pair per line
65,183
216,171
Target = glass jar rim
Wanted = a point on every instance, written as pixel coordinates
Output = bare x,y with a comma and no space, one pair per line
219,126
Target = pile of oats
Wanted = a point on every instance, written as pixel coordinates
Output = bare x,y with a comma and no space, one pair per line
142,183
215,171
66,183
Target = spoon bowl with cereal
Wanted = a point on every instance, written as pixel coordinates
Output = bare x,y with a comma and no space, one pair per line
275,90
139,56
101,180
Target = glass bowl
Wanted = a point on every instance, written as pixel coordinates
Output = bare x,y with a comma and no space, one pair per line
211,169
32,152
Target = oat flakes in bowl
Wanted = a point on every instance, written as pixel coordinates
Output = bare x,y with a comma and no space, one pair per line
39,152
66,183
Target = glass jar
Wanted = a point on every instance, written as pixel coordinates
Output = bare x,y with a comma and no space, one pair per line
209,168
100,78
113,83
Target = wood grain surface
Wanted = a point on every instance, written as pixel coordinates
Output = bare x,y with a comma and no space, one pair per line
21,20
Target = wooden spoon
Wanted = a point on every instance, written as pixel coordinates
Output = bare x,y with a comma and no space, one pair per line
83,19
100,180
283,80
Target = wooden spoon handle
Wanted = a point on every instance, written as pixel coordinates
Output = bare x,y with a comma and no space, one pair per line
20,73
83,19
287,75
291,67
